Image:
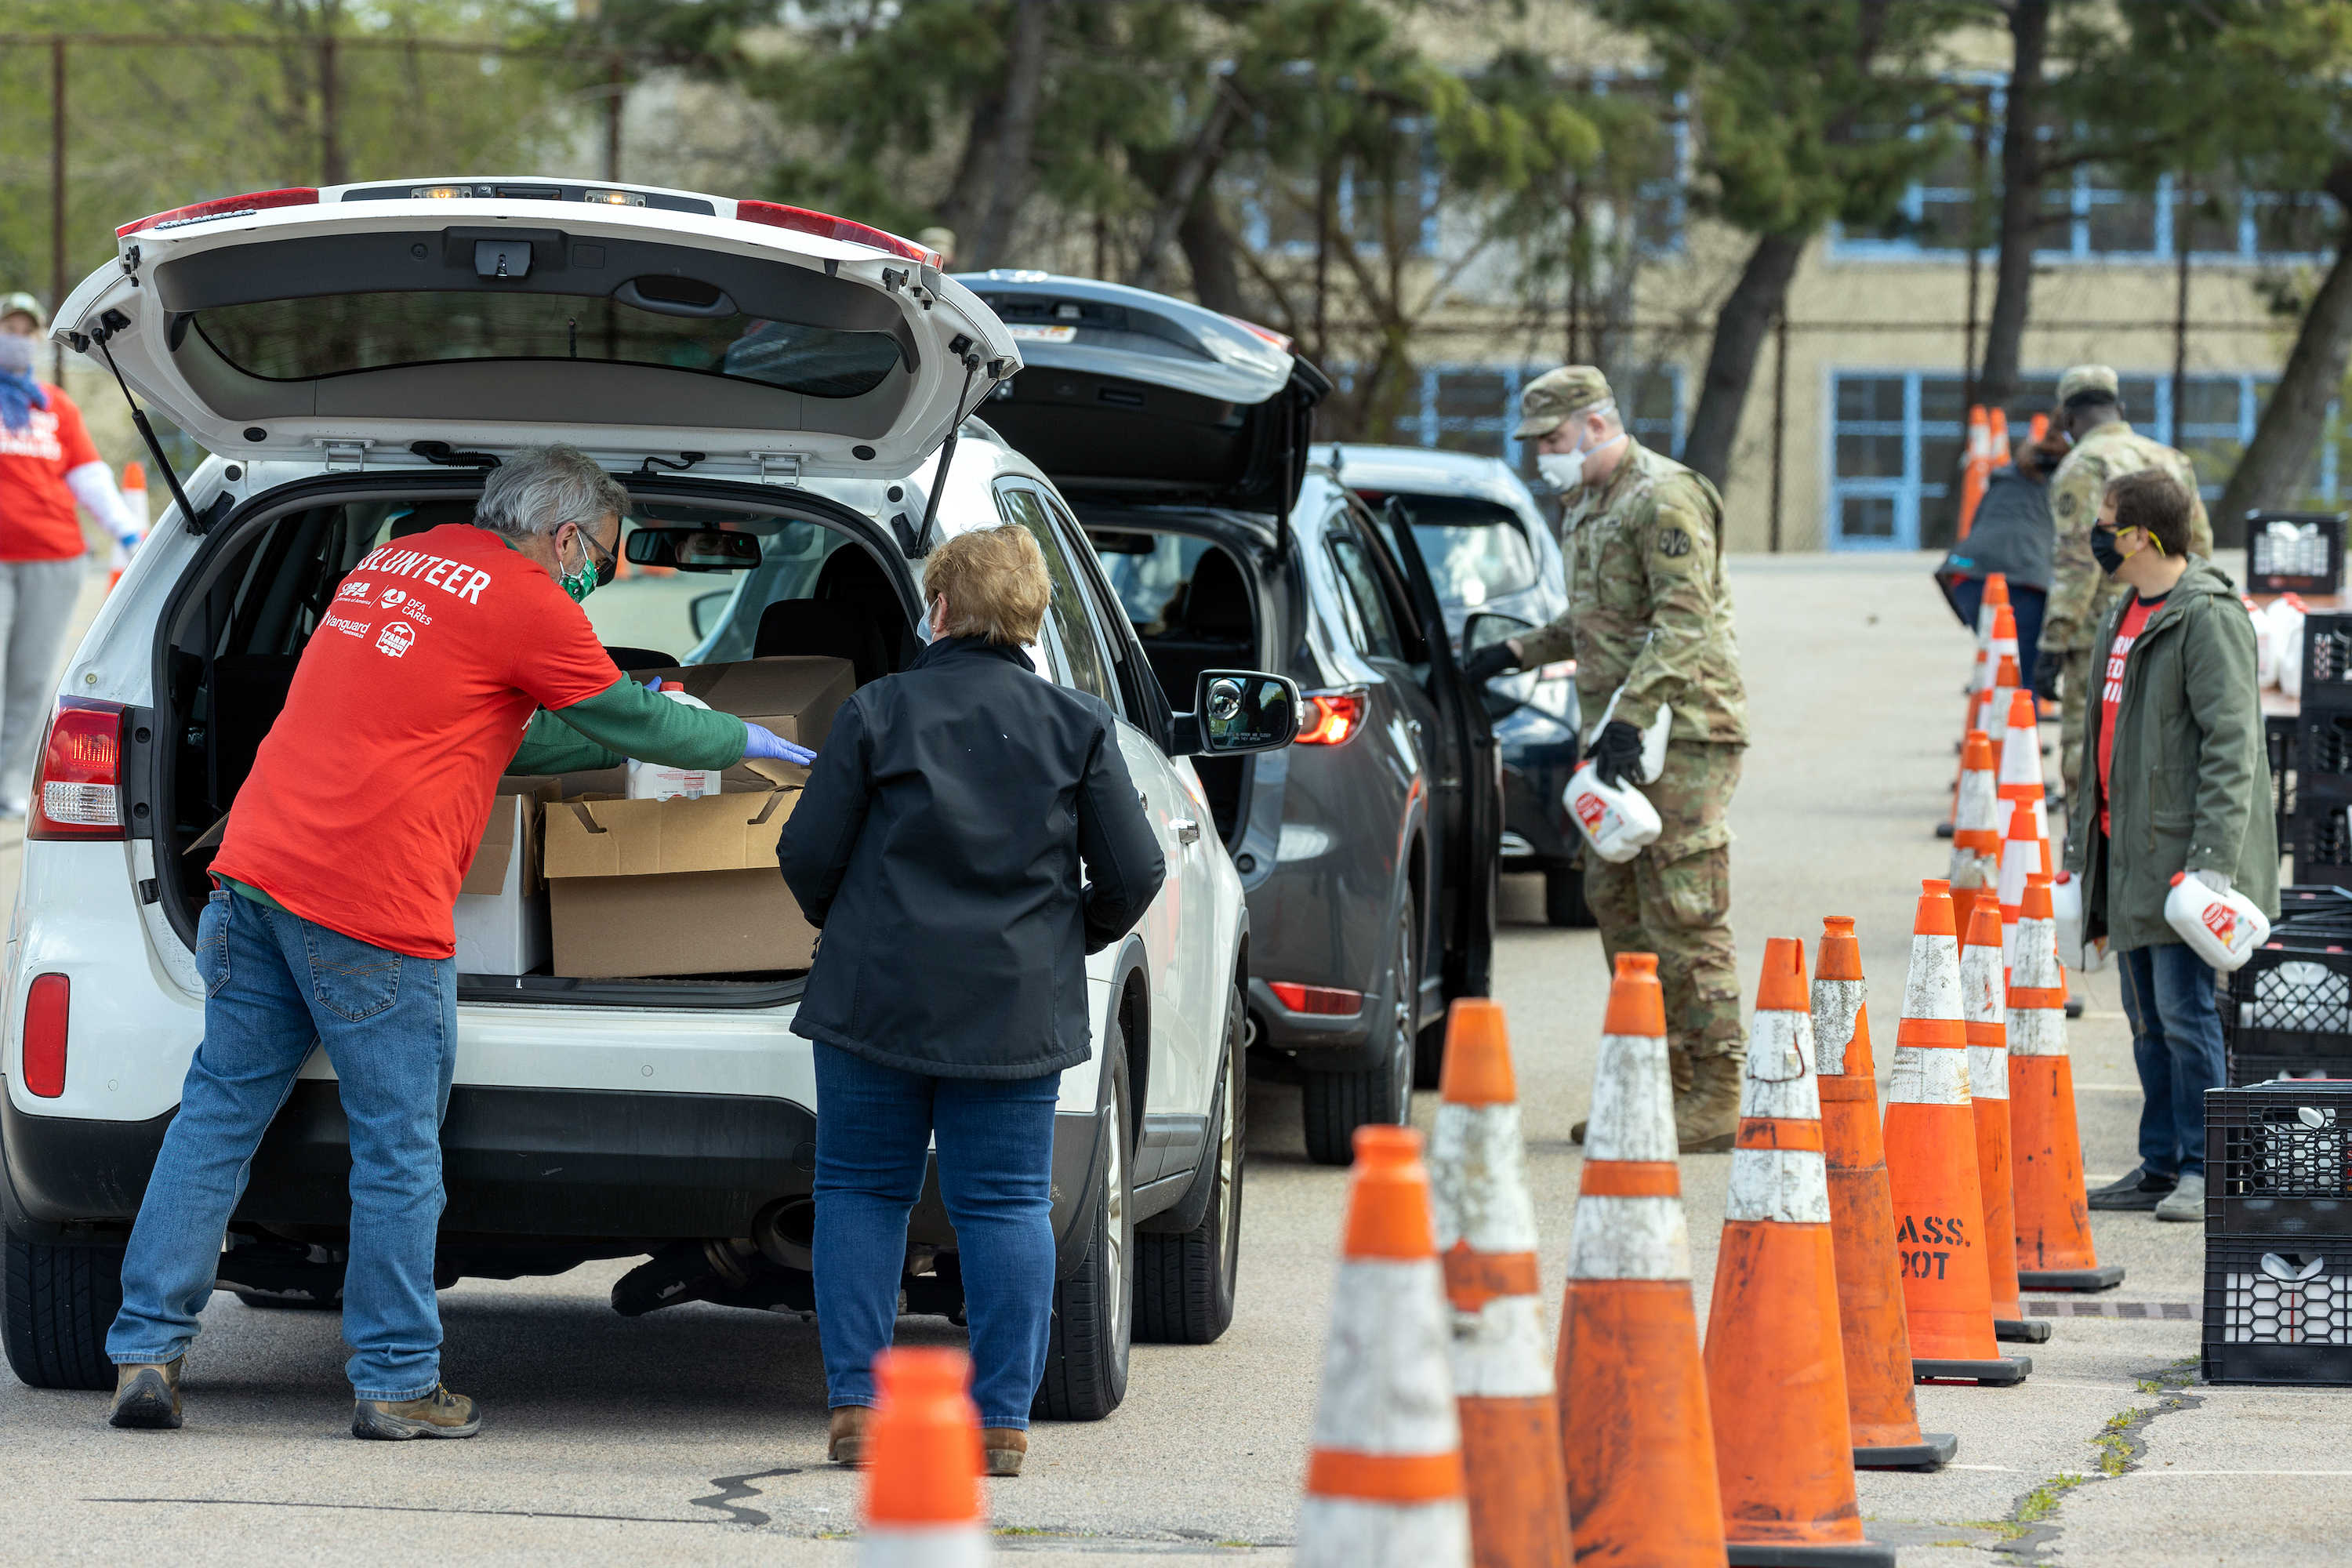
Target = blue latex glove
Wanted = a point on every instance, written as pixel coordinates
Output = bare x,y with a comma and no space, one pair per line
761,742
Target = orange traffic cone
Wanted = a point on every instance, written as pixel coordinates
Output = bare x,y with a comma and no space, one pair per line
1984,986
2020,768
1880,1404
1996,623
1384,1485
1977,469
1640,1449
1486,1241
2054,1222
923,1506
2002,457
2022,850
1976,841
1775,1368
1931,1166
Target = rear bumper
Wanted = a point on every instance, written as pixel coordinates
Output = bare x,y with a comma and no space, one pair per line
519,1164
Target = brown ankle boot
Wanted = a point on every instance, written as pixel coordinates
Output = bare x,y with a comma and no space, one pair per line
1005,1447
847,1443
1708,1117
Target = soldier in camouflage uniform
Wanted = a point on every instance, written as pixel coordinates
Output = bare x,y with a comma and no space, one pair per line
2090,410
1649,622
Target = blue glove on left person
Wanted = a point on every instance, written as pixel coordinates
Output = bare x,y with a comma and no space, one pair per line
761,742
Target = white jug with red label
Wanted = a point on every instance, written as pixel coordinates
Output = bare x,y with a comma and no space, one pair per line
1617,820
2066,904
658,781
2222,928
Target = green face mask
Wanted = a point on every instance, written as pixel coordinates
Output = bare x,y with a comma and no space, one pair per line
592,574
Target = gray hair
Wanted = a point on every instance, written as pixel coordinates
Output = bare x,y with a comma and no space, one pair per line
540,489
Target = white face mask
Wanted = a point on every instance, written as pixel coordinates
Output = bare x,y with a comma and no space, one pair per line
1566,469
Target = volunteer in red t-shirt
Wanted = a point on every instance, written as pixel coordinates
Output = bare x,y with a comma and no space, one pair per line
332,921
2176,782
47,464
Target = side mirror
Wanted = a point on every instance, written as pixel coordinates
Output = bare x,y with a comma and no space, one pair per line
693,549
1236,712
702,611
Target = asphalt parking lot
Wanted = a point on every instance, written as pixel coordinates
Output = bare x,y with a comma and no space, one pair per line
697,1434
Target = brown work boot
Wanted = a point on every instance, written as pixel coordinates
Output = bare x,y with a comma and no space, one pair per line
1007,1447
1708,1117
846,1445
439,1414
147,1395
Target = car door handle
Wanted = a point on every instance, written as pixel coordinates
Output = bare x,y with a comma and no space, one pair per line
1187,831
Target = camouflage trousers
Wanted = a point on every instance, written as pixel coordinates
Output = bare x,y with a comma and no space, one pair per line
2074,692
1674,899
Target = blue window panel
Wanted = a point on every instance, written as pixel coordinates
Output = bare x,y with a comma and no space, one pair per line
1474,407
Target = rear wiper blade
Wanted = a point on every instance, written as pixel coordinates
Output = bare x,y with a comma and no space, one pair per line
111,323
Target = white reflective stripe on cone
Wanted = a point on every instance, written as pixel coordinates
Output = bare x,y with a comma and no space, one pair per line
1837,1005
1983,994
2021,755
1498,1351
1929,1075
1931,986
1989,1072
1629,1238
1346,1532
910,1546
1978,795
2037,1032
1388,1385
2036,963
1633,1102
1478,1180
1791,1185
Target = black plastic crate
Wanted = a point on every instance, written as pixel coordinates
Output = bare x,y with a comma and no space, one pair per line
2292,997
2327,665
2282,738
2321,838
2248,1070
2294,552
2278,1161
2278,1310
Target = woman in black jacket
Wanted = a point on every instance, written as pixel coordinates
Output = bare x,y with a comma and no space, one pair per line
938,846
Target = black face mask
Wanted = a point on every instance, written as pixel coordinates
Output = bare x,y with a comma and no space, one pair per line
2104,551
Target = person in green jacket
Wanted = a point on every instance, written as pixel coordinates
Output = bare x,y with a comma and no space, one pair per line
2175,779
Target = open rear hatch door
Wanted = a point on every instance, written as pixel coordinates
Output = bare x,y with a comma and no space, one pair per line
362,320
1137,397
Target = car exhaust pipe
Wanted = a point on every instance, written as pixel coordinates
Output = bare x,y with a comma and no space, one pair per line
684,1271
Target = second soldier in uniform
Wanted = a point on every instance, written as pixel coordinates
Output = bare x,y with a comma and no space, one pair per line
1649,623
2091,411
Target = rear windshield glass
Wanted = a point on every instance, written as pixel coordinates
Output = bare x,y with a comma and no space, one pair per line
1150,573
1476,549
302,340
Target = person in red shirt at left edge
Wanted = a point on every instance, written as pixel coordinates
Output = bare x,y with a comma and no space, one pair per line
331,920
47,464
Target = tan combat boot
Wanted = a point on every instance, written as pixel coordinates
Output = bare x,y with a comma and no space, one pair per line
845,1443
1708,1117
439,1414
1005,1447
147,1395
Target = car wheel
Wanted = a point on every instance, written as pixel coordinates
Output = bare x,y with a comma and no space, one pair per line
1185,1284
1337,1103
1564,902
60,1301
1094,1309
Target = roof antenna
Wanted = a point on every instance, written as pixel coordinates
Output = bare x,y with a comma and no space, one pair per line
108,325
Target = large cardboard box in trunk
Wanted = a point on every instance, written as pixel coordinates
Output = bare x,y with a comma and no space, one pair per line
794,696
502,916
673,886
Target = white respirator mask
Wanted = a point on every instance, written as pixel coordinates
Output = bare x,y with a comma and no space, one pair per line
1566,469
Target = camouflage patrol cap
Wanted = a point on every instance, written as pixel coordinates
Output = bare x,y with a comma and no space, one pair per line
22,304
2091,382
1550,398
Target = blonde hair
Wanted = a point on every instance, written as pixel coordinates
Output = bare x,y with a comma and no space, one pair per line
995,583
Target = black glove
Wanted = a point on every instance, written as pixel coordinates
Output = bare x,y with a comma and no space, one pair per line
2045,677
1489,661
1617,755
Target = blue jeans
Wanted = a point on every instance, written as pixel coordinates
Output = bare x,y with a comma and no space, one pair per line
995,1138
2177,1046
276,986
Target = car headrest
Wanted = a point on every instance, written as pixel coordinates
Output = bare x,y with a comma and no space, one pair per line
1217,604
828,628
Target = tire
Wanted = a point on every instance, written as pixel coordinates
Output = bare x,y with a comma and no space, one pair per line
1185,1284
1094,1309
60,1301
1564,902
1337,1103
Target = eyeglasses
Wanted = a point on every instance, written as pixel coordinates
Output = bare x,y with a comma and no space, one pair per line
607,564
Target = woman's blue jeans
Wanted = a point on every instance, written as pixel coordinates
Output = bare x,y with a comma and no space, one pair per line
874,1126
278,985
2177,1046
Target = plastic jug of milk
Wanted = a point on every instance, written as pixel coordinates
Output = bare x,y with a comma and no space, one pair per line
654,781
1618,821
2222,928
2066,904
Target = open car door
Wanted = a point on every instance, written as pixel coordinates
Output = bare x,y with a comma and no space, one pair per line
1469,783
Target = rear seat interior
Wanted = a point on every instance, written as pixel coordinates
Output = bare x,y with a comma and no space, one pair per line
1212,624
847,616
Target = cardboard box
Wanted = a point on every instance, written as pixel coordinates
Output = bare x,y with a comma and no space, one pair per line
794,696
673,886
502,914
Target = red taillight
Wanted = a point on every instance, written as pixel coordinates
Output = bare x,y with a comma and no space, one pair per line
825,226
1325,1001
79,792
253,201
46,1002
1268,333
1329,718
